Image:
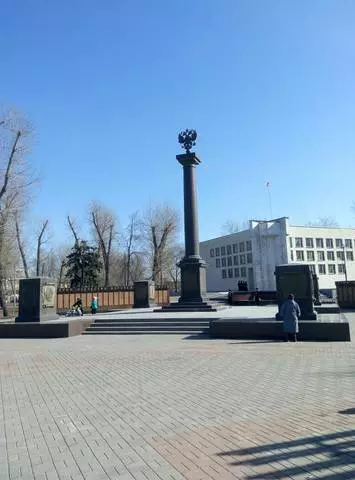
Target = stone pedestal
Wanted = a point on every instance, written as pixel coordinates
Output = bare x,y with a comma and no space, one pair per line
316,292
296,279
37,300
144,294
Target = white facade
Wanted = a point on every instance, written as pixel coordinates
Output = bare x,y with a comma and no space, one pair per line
252,254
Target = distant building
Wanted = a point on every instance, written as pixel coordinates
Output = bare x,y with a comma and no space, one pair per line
251,255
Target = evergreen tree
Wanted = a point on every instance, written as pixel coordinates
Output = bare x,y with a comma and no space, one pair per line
83,266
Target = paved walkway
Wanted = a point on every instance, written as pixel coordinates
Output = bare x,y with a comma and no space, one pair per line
170,408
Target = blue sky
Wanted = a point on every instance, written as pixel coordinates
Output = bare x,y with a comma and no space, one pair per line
268,85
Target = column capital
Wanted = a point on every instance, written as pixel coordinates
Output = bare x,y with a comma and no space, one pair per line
186,159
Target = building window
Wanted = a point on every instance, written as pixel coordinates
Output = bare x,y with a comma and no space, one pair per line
329,242
313,268
235,260
331,269
229,250
290,240
339,243
341,268
299,255
248,245
321,269
217,252
236,272
319,243
340,256
309,242
242,259
350,256
243,272
224,262
348,243
242,247
330,256
320,257
230,272
218,262
299,242
235,248
249,258
223,250
229,261
224,273
291,255
310,256
212,252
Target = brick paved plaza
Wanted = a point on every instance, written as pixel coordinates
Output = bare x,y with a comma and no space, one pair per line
167,407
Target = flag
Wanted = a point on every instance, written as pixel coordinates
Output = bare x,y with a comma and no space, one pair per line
267,184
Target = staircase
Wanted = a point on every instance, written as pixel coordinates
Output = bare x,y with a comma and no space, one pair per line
148,326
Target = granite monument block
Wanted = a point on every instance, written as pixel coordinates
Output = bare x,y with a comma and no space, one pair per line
37,300
296,279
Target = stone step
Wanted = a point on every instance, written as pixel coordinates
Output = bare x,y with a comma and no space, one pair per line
142,332
160,321
152,328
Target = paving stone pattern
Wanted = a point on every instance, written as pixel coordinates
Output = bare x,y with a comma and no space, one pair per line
170,408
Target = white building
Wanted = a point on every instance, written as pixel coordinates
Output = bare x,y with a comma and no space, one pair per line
252,254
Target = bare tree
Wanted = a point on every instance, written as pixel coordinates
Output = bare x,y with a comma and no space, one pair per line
104,225
324,222
175,254
15,180
131,238
160,228
21,246
73,229
233,226
40,241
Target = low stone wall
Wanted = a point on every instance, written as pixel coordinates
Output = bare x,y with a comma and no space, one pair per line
246,298
273,330
63,329
114,298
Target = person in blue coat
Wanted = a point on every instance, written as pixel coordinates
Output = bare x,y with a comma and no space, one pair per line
94,305
290,313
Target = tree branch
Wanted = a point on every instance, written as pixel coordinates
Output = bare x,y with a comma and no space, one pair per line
9,165
71,226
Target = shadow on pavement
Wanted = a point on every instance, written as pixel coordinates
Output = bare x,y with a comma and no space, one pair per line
308,457
348,411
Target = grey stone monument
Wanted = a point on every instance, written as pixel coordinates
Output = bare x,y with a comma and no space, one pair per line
193,267
296,279
144,294
37,300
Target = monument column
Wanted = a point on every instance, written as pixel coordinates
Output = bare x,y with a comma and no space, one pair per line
193,268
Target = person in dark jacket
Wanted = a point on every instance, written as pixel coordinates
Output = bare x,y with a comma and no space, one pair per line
78,306
257,297
290,313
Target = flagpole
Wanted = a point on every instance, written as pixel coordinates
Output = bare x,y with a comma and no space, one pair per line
269,196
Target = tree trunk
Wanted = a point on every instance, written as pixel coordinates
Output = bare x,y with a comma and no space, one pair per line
21,249
39,245
60,278
3,305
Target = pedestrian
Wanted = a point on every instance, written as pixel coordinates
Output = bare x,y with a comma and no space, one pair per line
78,306
290,313
94,305
257,297
229,297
